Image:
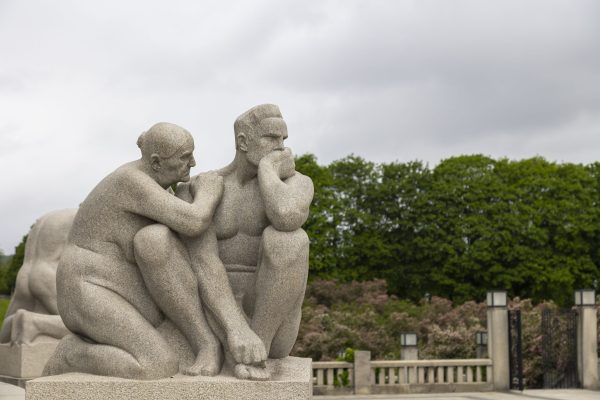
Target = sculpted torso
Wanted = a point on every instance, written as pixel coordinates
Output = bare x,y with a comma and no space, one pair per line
239,222
106,224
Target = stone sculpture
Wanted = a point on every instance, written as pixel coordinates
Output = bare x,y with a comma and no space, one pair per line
32,326
102,296
251,264
32,315
225,260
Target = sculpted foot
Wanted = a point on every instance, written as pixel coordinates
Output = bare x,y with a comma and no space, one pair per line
208,361
246,347
61,361
252,372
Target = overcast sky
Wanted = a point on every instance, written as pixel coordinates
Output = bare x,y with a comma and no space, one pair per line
386,80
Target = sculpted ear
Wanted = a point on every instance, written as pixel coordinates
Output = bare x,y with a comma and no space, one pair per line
155,162
242,141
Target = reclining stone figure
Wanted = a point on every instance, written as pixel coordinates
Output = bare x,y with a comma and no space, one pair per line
32,315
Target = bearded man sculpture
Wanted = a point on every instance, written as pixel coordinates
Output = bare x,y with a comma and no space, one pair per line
225,260
252,262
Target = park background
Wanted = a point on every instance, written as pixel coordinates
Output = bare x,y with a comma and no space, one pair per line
401,247
453,144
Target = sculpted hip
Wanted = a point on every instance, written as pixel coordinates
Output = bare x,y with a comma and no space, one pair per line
79,267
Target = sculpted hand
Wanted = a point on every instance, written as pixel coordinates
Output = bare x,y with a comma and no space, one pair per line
282,162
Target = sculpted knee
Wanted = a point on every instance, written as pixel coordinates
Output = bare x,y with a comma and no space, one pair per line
151,244
283,248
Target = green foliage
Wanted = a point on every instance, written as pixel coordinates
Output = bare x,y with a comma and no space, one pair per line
342,379
468,225
10,274
3,307
346,356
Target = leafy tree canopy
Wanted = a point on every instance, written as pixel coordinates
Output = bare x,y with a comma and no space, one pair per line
470,224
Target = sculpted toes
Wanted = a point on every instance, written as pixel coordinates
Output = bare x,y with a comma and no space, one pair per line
241,372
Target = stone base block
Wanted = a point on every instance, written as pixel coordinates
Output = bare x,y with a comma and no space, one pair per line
24,361
291,378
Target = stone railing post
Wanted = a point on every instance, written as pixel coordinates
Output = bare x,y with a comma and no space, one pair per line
497,330
587,338
362,372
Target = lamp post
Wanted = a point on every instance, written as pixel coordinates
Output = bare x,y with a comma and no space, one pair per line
585,297
481,340
409,349
497,335
496,298
587,339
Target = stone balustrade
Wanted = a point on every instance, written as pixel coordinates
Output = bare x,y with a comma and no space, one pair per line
333,377
404,376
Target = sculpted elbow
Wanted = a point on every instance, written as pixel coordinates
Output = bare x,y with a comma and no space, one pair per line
288,219
196,226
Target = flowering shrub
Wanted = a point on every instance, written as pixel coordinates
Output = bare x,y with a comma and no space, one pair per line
360,315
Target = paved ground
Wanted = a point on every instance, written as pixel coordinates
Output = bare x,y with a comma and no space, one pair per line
570,394
10,392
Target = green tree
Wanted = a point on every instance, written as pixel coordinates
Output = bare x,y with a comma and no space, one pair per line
15,264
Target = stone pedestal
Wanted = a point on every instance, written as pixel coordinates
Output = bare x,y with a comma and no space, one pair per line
20,362
497,324
291,378
409,353
587,347
362,372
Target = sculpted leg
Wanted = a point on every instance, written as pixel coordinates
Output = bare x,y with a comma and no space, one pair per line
215,288
126,344
165,266
280,285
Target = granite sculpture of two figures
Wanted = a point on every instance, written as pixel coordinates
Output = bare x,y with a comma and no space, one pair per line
223,261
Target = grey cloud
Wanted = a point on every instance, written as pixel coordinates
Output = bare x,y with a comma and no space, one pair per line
386,80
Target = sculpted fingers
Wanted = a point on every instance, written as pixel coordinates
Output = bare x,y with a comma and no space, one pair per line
287,164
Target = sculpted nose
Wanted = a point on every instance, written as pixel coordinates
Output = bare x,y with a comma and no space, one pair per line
192,162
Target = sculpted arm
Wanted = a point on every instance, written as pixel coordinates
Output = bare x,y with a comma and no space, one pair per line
218,298
215,289
189,219
287,194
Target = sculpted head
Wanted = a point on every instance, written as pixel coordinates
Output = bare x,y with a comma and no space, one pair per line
260,131
168,150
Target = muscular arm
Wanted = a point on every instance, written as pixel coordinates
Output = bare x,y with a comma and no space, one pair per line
215,289
286,201
189,219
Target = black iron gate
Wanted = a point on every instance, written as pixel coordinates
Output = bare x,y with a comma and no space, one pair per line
559,349
515,350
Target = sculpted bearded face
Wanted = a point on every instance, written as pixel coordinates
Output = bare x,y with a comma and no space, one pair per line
267,136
